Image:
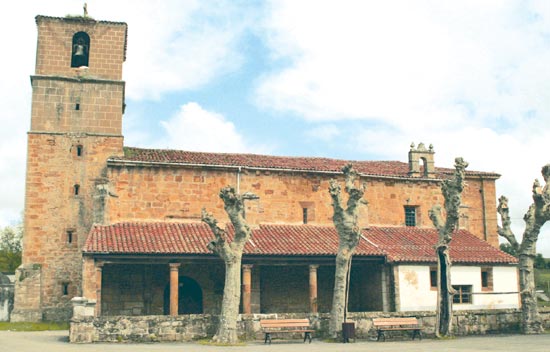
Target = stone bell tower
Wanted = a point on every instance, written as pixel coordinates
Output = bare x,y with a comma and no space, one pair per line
76,124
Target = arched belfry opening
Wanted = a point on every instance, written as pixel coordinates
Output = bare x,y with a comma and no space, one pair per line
423,166
80,49
421,161
189,297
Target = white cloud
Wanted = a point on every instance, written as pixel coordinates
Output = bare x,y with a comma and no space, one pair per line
194,128
470,77
176,45
324,132
172,45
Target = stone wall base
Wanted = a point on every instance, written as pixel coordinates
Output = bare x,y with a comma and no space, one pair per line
26,315
199,326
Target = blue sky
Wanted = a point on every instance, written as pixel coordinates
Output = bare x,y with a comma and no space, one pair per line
344,79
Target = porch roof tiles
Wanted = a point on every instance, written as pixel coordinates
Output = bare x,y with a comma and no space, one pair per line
397,244
413,244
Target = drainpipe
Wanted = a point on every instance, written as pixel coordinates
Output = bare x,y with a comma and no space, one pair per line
483,208
239,180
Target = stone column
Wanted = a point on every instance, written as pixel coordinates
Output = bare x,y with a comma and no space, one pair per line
385,292
313,288
98,278
174,277
247,288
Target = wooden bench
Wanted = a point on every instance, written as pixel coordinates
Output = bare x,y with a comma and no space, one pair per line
276,326
397,324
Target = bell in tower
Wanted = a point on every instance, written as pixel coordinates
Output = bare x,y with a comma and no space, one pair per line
81,49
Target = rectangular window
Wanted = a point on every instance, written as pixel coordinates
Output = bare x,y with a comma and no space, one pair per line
304,215
433,278
76,190
486,279
463,294
65,288
410,216
70,236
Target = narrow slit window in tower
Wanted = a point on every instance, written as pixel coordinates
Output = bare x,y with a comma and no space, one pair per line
64,288
76,189
70,236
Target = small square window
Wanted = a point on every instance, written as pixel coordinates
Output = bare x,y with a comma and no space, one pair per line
463,294
410,216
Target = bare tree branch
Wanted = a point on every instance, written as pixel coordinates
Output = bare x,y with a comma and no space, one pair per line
535,217
505,229
349,233
231,253
452,193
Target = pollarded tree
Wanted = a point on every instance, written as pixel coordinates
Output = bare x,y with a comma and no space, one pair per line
349,233
231,253
535,217
452,193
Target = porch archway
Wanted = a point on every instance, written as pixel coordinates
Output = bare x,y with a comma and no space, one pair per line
189,297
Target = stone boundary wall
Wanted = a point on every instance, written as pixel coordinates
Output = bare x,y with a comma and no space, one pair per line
6,301
199,326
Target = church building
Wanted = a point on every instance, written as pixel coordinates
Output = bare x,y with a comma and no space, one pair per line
121,225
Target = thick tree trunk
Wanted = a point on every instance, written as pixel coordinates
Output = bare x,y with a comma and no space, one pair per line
227,328
444,321
535,217
339,305
531,320
231,253
345,221
452,192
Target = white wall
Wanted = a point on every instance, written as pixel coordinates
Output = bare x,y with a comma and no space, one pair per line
415,294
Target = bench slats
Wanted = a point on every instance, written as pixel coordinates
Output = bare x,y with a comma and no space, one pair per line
397,324
286,326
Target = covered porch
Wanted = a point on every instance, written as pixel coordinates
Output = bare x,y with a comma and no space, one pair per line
176,286
166,269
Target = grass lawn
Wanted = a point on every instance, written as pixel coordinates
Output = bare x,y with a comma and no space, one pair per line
542,279
33,326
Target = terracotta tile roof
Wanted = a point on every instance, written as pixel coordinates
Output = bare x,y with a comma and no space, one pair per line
413,244
255,161
303,240
149,238
398,244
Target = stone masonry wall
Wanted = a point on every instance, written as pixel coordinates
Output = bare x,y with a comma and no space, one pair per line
52,210
54,49
77,106
179,194
192,327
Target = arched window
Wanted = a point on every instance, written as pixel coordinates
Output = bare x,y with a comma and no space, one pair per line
81,49
423,165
